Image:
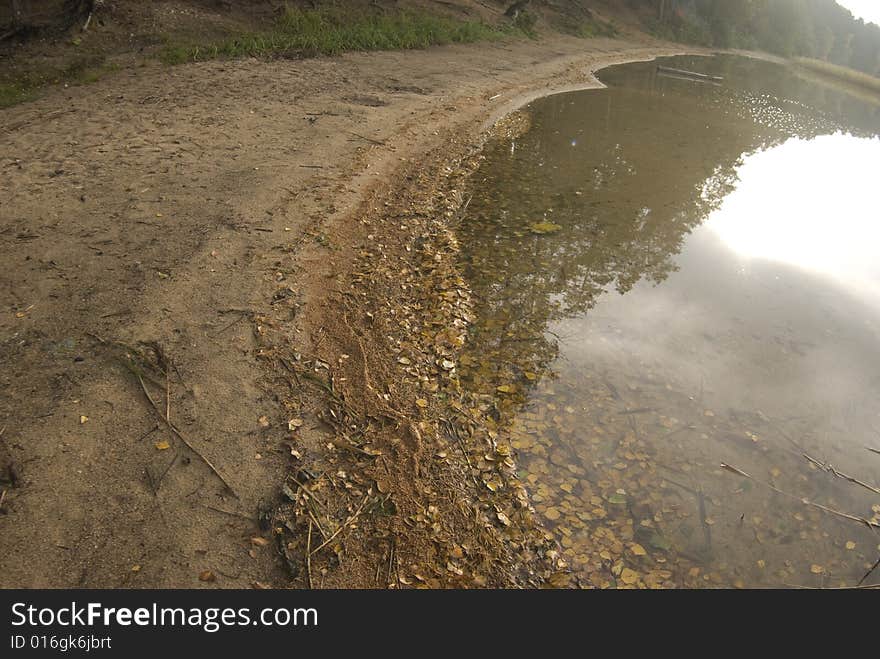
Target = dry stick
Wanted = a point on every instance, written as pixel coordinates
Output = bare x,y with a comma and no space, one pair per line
390,564
368,139
839,474
183,439
314,519
309,555
347,523
454,432
805,501
167,396
873,450
868,573
309,493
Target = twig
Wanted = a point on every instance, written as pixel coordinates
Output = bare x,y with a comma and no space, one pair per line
873,450
390,564
149,432
309,555
454,432
309,493
868,573
368,139
183,439
347,523
870,524
314,519
244,314
839,474
167,397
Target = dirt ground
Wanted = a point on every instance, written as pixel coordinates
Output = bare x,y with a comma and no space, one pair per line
175,243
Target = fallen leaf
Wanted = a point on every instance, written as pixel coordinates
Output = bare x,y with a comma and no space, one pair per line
817,569
293,424
421,402
264,421
207,575
628,576
638,550
259,541
552,513
850,545
83,419
163,445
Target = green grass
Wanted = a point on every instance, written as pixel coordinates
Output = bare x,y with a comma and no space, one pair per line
332,31
843,73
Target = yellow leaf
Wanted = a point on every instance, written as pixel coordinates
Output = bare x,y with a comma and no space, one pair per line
83,418
506,389
637,549
762,563
850,545
817,569
163,445
421,402
628,576
552,513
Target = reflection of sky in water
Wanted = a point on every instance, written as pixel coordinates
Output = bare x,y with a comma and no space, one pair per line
811,204
711,294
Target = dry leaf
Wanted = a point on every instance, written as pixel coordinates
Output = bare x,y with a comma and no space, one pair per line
163,445
628,576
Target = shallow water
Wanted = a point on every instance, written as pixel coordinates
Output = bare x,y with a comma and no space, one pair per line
674,275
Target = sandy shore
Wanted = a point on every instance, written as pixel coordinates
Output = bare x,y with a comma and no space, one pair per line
236,256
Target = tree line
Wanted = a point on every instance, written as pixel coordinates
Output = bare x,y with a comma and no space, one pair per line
821,29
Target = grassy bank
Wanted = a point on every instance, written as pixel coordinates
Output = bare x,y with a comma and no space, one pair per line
841,73
296,33
328,31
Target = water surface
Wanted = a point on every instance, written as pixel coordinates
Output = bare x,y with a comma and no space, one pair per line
674,275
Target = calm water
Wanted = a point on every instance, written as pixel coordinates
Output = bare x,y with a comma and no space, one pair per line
673,275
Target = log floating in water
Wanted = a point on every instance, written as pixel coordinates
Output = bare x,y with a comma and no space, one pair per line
690,74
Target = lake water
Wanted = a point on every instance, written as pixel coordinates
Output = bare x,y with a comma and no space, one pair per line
673,276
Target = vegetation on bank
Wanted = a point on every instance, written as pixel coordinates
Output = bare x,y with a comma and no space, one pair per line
816,29
843,73
330,31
